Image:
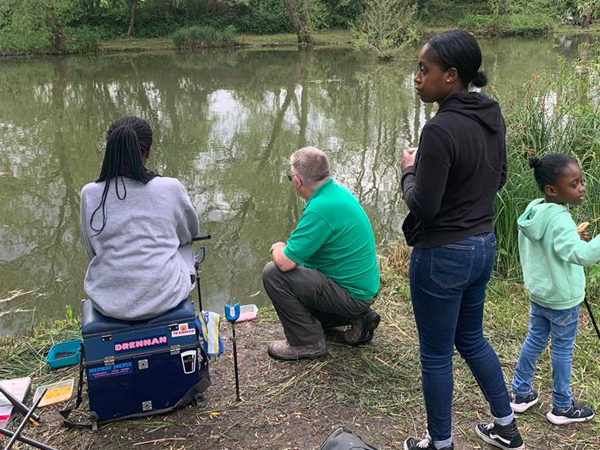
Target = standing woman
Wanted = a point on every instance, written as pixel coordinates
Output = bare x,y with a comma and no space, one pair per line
449,186
137,230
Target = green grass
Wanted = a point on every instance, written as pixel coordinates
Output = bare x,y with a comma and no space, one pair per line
329,37
127,45
557,113
322,39
23,357
505,325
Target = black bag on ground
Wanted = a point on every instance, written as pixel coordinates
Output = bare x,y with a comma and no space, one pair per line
344,439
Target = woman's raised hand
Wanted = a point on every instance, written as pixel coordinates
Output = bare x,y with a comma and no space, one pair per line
408,159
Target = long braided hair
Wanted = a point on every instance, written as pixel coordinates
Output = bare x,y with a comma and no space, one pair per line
127,140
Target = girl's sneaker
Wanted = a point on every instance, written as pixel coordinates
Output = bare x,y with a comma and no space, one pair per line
506,437
521,403
574,413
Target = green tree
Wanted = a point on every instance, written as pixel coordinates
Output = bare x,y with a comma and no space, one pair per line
33,24
299,14
387,25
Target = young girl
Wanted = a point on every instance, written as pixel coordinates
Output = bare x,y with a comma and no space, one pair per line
137,228
552,255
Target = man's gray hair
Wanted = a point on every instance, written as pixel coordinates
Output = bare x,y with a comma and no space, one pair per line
311,164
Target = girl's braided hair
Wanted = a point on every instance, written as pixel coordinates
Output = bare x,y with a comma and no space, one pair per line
127,140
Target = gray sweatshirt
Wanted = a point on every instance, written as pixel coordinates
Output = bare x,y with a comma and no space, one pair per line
140,264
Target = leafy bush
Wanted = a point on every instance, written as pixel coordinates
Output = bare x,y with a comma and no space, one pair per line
342,13
82,40
444,12
507,25
23,42
263,17
203,37
22,27
530,24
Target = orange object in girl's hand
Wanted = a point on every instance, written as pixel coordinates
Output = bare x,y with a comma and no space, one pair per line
582,226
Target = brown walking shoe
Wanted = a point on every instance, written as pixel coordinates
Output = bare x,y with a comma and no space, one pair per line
283,350
361,331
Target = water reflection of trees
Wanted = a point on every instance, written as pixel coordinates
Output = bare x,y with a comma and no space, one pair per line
39,198
225,124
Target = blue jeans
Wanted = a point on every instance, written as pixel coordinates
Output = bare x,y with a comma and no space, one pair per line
562,326
447,286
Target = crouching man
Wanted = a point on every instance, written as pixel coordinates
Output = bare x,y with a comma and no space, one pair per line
326,275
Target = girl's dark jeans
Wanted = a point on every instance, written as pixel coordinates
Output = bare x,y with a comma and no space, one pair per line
447,285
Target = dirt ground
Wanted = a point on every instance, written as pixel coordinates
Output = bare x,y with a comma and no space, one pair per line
373,390
280,410
273,413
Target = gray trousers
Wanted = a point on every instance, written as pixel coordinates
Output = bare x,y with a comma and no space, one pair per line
307,301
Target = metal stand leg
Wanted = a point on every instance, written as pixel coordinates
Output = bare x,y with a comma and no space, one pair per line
235,365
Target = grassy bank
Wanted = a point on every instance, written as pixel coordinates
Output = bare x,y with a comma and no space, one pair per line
558,113
323,38
329,38
374,389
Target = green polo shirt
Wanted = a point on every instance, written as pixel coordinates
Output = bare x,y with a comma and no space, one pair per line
335,237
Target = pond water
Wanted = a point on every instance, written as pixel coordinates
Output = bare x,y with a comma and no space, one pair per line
225,124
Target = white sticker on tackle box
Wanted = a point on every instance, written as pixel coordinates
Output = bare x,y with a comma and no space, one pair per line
183,330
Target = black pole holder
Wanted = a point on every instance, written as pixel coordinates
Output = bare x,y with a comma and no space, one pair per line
235,364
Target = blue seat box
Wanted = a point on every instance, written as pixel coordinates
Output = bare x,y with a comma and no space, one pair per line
141,368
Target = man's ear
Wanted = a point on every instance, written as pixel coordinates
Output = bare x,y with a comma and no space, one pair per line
297,182
550,191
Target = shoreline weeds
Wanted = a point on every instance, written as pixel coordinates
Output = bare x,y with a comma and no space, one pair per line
373,389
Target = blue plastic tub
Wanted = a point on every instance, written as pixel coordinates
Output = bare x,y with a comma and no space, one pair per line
64,354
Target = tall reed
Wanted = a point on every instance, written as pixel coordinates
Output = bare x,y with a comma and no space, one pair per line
557,113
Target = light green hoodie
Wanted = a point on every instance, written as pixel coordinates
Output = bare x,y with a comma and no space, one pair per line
552,255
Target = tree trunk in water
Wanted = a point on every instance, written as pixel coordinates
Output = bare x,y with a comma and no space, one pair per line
132,17
55,28
301,25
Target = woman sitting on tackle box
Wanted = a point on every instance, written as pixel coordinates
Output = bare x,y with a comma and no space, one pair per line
137,229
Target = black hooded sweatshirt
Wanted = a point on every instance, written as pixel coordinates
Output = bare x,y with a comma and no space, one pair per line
459,167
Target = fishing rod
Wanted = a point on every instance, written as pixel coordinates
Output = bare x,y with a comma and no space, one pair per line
589,308
199,259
